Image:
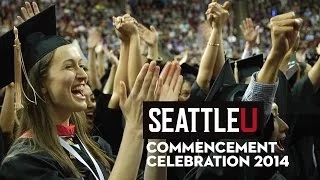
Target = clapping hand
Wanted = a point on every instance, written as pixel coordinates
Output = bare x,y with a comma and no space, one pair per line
284,32
217,14
28,11
94,37
125,27
250,32
150,36
170,82
143,88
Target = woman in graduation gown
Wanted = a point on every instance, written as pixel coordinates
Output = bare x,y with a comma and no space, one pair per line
52,139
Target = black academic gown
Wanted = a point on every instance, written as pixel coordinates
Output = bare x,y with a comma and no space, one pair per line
108,123
248,173
19,165
5,143
302,118
197,94
299,108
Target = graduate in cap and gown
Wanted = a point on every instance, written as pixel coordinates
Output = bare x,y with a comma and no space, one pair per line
52,139
262,87
297,99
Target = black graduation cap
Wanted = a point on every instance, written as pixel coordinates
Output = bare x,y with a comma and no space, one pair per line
248,66
189,72
225,78
37,36
225,88
188,69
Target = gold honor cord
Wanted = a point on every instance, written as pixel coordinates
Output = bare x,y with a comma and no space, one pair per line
17,71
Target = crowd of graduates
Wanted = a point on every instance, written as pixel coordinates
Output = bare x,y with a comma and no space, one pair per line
72,86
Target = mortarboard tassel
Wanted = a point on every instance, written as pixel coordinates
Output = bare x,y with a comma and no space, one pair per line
17,71
236,72
19,63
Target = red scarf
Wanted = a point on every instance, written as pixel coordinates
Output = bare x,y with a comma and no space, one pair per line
62,130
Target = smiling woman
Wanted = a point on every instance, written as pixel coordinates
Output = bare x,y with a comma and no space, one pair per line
52,140
65,81
54,73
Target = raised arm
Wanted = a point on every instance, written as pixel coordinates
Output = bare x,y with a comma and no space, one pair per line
94,37
263,86
217,17
150,36
287,57
221,55
135,60
122,70
101,60
130,152
108,87
251,35
284,32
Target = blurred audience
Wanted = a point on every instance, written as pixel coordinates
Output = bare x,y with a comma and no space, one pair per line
178,29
